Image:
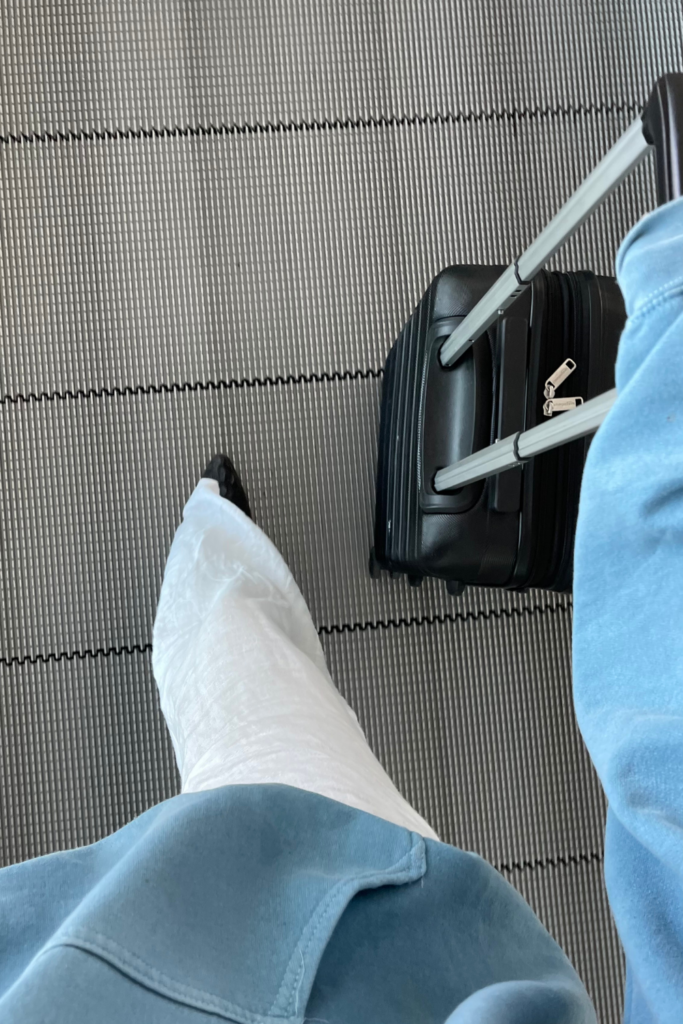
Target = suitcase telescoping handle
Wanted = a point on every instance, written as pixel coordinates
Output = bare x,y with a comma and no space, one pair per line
660,128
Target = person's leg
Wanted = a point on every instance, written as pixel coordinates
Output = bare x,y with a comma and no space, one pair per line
241,674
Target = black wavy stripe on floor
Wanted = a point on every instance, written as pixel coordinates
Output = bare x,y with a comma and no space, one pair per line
346,627
551,862
333,125
208,385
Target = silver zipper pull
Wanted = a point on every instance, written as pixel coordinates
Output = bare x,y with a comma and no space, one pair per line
561,373
554,405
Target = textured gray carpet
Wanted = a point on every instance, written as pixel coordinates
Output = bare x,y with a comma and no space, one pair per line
215,218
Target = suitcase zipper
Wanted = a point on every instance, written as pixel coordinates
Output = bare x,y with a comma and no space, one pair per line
561,373
553,403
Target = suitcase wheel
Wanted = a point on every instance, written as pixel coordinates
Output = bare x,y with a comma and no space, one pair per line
373,567
455,588
415,581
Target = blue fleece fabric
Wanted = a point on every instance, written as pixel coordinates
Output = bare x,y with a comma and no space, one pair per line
628,619
267,904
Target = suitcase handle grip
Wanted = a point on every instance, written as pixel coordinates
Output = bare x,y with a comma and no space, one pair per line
661,128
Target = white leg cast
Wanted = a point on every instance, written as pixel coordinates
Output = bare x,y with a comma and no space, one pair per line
242,677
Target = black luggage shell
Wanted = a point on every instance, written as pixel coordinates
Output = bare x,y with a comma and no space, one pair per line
515,530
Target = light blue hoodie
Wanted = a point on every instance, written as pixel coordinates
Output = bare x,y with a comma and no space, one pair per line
628,619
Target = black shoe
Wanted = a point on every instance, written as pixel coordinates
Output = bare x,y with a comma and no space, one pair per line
222,470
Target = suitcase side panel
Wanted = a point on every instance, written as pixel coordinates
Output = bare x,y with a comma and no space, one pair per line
599,318
460,536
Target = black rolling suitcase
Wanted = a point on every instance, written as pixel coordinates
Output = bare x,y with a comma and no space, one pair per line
533,346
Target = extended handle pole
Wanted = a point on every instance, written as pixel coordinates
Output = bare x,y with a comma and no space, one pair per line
661,127
619,161
520,447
